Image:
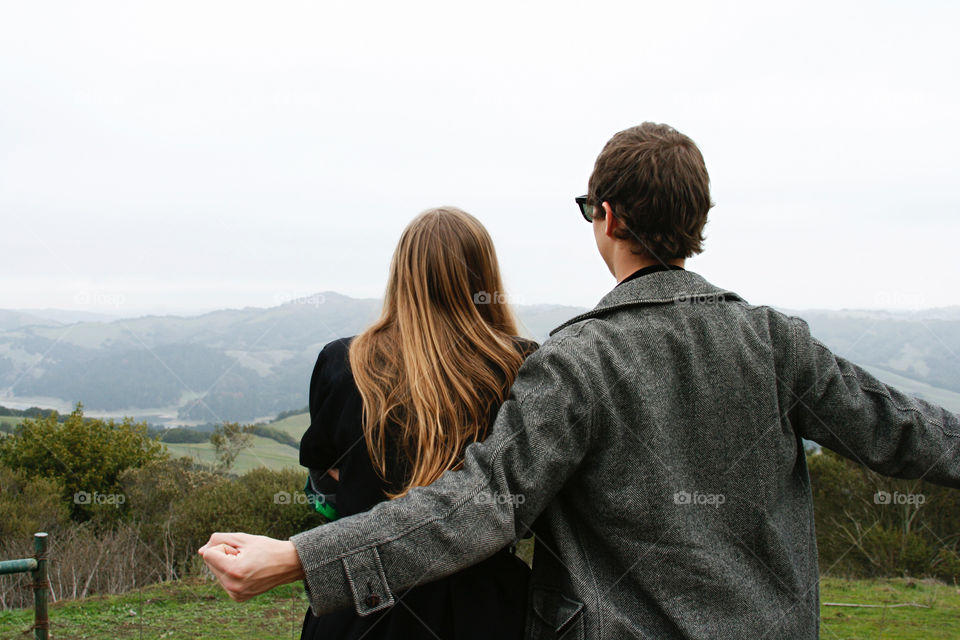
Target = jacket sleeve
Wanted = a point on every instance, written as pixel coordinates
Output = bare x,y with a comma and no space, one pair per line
540,435
841,406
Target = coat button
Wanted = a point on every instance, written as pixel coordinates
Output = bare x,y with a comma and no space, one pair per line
373,600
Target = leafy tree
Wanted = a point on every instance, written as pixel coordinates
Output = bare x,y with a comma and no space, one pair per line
229,440
86,455
29,504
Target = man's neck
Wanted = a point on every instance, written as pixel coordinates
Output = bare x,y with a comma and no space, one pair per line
626,264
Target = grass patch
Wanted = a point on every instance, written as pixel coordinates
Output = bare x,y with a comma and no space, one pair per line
198,608
182,610
941,619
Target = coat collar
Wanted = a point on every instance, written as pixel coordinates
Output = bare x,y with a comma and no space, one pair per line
662,287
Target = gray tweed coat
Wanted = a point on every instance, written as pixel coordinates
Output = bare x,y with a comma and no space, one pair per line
654,446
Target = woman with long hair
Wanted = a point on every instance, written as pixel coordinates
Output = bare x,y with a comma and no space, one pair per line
394,408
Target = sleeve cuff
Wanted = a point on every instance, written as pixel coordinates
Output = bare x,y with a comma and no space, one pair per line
332,583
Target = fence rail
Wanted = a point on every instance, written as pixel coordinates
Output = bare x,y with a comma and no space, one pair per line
37,566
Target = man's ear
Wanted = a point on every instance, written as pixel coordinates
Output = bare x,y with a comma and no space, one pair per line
610,222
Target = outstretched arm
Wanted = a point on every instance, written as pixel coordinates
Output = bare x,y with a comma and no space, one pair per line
840,406
537,442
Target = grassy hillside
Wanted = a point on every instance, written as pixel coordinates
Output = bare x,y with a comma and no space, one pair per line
264,453
239,364
294,425
944,397
11,420
200,609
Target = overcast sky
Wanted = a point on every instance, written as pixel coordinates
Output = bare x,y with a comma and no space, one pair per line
178,157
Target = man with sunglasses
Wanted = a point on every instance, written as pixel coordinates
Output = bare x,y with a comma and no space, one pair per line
653,444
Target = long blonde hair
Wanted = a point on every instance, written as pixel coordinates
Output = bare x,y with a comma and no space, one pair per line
441,356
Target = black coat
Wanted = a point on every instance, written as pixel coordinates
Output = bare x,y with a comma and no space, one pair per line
484,601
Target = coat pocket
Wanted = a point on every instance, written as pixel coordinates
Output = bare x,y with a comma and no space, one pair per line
553,616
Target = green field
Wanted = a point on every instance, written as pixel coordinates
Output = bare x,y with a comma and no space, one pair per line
11,420
263,453
200,609
294,425
938,615
171,611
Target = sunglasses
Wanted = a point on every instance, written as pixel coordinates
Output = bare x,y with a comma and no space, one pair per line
586,210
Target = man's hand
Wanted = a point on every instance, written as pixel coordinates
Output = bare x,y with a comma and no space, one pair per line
247,565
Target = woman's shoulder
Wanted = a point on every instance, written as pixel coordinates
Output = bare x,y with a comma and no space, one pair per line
332,361
338,347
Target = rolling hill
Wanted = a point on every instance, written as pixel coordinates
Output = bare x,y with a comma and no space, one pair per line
252,363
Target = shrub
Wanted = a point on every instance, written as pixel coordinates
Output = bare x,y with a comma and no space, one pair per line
261,501
870,525
86,455
177,504
29,504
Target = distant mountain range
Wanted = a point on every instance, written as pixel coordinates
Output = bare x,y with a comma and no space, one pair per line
236,364
916,351
248,364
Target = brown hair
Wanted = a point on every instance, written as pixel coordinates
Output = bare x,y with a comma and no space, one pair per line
441,357
656,182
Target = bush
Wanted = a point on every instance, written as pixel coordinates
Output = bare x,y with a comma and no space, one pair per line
29,504
164,511
177,504
261,501
155,497
86,455
869,525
